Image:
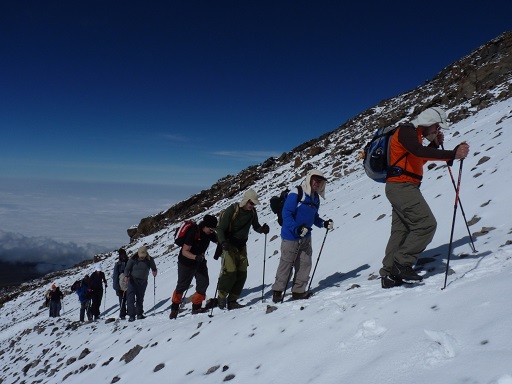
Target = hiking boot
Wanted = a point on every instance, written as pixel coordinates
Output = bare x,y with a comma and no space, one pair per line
140,317
199,310
300,295
277,296
235,305
173,314
390,281
122,317
405,272
131,319
222,302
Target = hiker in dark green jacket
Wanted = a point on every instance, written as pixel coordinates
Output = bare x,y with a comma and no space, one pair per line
233,233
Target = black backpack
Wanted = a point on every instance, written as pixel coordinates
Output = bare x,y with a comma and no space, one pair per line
277,203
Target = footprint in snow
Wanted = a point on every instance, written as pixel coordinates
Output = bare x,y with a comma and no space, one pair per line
442,347
370,330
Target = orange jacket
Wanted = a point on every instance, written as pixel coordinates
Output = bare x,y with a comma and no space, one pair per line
408,140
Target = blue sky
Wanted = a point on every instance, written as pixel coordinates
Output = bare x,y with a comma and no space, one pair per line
182,93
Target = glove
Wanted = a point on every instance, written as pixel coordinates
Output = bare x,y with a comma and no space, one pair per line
218,252
329,224
265,229
302,230
225,245
200,258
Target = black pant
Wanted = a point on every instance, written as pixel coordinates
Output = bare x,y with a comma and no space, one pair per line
186,274
135,296
85,307
122,302
96,303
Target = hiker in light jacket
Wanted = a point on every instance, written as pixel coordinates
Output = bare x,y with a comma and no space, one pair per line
233,233
298,220
192,263
412,224
119,268
136,274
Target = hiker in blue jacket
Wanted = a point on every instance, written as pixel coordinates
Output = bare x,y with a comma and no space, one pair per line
84,296
298,220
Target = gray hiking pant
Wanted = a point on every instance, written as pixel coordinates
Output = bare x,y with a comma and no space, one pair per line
294,254
412,225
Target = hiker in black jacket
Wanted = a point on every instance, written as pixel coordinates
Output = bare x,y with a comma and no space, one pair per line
136,274
55,296
95,285
119,268
192,263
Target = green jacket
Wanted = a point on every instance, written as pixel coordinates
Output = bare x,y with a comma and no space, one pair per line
234,226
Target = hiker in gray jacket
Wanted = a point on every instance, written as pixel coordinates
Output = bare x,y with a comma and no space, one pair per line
136,274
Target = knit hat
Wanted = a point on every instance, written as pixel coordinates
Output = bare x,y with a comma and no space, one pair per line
97,267
430,116
250,195
143,252
210,221
53,286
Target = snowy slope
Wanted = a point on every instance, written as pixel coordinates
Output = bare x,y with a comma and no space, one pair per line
351,331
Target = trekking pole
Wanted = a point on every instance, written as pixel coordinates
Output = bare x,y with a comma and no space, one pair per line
318,258
217,288
154,295
453,224
105,301
264,261
461,209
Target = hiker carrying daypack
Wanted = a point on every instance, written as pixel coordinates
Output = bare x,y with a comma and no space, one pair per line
299,216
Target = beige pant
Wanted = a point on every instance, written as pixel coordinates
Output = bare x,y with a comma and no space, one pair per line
412,225
294,254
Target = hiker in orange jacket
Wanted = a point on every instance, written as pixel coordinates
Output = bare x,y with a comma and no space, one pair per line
413,224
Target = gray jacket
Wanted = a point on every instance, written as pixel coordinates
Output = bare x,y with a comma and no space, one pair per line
139,269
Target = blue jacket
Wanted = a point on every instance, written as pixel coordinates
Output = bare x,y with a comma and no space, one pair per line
296,214
83,293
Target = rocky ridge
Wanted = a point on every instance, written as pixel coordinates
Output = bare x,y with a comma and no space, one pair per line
470,84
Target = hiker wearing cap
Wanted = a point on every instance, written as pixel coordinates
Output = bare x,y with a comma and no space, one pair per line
299,216
136,274
192,263
96,281
119,267
412,224
233,233
55,297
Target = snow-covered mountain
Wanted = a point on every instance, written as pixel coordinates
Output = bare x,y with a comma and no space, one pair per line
350,331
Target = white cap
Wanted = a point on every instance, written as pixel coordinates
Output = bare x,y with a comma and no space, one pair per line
430,116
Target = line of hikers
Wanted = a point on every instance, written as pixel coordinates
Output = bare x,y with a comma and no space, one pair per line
412,229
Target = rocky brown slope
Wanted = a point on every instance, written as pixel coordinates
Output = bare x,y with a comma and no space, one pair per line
465,86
